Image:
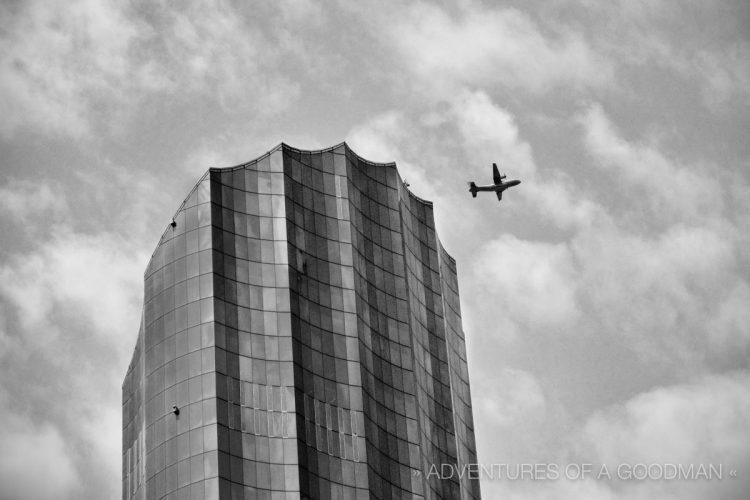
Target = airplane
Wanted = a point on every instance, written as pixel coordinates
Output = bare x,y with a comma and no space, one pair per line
498,187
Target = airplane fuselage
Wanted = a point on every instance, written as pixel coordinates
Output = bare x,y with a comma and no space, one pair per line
496,187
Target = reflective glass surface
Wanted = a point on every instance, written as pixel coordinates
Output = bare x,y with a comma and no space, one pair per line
302,316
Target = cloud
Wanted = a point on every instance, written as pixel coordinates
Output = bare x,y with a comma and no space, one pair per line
379,138
726,73
70,309
533,283
703,422
695,41
23,201
36,461
489,133
65,277
59,59
547,490
69,68
503,47
512,397
648,177
657,292
213,49
394,137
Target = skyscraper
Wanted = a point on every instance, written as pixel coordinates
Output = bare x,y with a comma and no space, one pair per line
301,338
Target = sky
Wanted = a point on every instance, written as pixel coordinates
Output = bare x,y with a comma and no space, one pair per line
604,301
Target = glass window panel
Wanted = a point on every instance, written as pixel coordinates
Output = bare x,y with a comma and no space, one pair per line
264,205
192,241
253,226
180,292
204,190
278,203
183,366
268,275
191,218
256,321
240,247
259,371
266,251
266,228
258,346
246,367
238,201
255,294
269,299
242,270
194,338
210,435
209,417
270,323
264,182
261,420
204,215
208,360
193,292
285,348
280,252
282,275
251,178
276,162
279,228
253,249
206,285
194,314
192,265
282,299
205,261
272,348
195,361
252,204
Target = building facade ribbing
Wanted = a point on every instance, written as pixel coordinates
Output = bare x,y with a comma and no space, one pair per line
304,319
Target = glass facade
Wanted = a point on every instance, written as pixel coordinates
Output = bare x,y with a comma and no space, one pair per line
303,319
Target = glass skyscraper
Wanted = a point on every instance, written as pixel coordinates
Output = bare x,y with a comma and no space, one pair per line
301,338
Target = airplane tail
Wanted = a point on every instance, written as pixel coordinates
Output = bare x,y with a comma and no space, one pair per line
473,189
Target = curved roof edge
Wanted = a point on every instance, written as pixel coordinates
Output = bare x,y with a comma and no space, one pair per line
279,147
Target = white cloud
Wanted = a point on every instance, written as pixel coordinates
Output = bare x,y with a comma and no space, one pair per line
547,490
704,422
695,41
669,189
726,73
67,276
509,398
728,327
24,201
392,137
36,462
70,305
557,198
58,59
378,139
212,49
73,67
533,283
503,47
489,133
658,293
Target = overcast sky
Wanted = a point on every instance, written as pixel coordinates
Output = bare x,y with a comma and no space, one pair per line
605,300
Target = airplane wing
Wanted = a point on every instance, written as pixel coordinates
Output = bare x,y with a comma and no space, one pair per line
499,195
496,174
